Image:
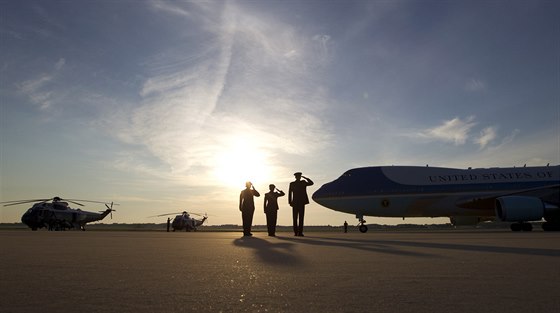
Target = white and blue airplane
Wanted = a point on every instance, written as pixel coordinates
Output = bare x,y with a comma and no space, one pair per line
466,196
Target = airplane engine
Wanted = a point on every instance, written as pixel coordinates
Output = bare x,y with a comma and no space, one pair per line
519,208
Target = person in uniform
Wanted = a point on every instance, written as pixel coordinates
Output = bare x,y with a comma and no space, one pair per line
297,198
271,208
247,206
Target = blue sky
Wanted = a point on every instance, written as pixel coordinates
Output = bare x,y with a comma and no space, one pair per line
163,106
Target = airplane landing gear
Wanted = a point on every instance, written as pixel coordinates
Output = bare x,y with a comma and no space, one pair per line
362,226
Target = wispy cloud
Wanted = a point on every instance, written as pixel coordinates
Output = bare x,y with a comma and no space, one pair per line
170,7
247,81
486,136
459,131
503,142
455,130
38,88
475,85
515,149
11,34
59,64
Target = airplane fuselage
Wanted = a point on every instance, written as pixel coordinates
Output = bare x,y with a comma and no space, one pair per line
412,191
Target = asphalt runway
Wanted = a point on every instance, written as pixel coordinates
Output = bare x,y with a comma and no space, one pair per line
385,271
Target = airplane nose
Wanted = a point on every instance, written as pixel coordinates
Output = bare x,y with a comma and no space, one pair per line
319,195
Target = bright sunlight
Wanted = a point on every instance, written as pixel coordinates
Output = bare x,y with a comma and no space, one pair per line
241,162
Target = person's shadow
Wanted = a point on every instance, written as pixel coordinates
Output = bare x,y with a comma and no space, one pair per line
280,254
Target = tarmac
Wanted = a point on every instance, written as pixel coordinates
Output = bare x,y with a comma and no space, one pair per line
381,271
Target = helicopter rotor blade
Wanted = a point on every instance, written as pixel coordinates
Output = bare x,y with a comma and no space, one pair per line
90,201
54,199
200,214
16,202
72,202
166,214
179,213
197,214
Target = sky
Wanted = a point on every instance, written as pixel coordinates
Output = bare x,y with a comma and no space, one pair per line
165,106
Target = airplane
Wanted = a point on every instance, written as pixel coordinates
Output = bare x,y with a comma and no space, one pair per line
55,214
466,196
184,220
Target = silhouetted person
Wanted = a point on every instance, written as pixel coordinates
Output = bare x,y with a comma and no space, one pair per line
345,227
247,207
186,221
271,208
168,223
297,198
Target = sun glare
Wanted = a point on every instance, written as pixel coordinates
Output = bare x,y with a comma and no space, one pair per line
242,162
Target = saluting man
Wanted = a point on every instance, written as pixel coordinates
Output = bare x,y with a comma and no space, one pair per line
247,207
271,208
297,198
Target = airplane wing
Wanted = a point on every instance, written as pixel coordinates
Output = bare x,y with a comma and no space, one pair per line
487,202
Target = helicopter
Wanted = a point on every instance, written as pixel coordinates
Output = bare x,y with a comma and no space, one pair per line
55,213
183,220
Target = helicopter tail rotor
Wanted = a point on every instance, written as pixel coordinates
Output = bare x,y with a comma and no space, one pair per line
110,209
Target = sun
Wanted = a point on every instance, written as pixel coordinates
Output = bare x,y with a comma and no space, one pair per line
240,162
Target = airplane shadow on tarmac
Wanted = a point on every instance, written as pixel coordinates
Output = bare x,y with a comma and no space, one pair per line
281,254
392,246
477,248
365,245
